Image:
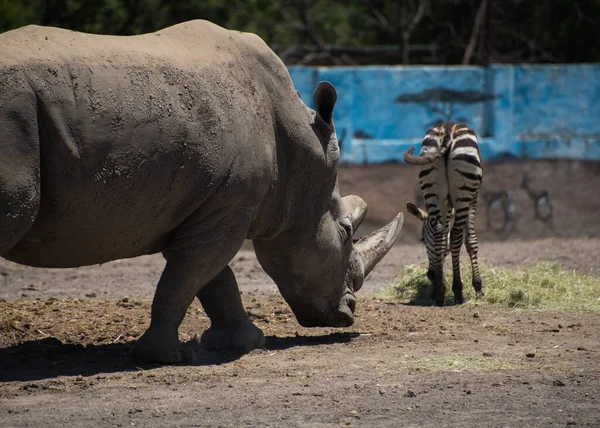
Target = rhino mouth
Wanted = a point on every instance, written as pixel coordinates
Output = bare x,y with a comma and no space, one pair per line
370,249
344,317
341,316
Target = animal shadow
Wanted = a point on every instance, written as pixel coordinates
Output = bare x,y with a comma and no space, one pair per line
274,343
50,358
422,295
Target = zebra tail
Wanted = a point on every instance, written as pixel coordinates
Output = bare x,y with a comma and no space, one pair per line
420,160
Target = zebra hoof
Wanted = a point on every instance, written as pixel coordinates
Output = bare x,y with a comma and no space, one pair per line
437,300
459,300
479,295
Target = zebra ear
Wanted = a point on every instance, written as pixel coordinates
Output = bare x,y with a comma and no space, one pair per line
414,210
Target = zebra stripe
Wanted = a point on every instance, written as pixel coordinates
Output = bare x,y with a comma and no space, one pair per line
469,175
468,158
450,178
466,142
424,172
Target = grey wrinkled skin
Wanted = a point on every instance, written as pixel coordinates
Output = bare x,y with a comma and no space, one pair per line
186,142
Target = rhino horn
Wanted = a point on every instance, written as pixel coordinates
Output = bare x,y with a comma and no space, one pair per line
356,208
373,247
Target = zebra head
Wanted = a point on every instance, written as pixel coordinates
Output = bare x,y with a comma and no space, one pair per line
435,237
432,233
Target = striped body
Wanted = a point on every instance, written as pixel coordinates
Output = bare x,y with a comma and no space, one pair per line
450,178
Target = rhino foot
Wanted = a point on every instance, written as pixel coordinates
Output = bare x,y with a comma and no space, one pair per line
240,336
158,347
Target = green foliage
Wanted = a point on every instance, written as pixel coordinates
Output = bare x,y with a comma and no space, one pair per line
412,285
543,285
522,31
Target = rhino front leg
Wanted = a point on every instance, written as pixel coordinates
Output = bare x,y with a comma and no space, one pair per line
174,294
230,329
196,257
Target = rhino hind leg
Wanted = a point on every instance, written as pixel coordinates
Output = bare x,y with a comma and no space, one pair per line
18,211
230,329
19,168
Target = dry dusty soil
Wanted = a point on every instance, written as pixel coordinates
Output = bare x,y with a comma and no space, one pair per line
65,334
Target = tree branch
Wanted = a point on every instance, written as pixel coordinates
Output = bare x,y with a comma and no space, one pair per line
384,23
475,33
409,28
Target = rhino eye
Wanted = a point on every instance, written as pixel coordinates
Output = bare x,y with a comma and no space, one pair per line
347,226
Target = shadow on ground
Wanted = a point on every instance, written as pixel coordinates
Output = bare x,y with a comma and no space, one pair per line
422,295
50,358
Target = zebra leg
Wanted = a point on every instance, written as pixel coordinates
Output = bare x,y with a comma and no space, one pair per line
472,248
448,226
436,245
438,283
456,241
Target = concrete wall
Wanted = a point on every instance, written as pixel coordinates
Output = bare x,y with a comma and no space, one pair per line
518,111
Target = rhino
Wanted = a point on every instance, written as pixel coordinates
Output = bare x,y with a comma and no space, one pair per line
183,142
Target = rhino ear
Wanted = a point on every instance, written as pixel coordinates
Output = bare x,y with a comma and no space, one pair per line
356,208
324,100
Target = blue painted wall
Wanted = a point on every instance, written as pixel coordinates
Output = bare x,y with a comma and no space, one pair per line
518,111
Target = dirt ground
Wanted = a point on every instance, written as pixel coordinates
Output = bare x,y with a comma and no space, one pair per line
64,335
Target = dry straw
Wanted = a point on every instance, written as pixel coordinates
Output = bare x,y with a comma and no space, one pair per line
544,285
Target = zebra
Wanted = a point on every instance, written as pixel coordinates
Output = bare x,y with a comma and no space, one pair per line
450,179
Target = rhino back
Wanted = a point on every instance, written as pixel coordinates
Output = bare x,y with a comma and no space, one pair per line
136,133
